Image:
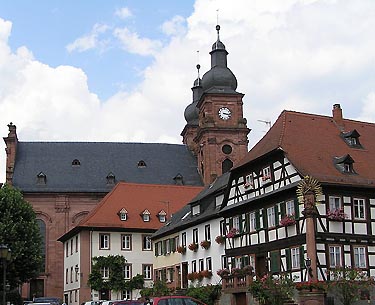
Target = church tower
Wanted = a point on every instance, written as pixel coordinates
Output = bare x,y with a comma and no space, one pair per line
219,138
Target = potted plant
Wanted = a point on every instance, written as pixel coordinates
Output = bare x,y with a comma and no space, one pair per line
233,232
288,220
205,244
312,286
206,273
248,270
223,272
220,239
193,247
336,214
181,249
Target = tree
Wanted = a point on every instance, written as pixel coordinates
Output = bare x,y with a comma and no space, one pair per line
19,231
347,283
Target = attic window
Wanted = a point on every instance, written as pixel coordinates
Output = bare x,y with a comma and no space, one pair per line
179,179
162,215
146,215
123,214
111,178
76,162
141,164
195,210
344,164
352,138
41,178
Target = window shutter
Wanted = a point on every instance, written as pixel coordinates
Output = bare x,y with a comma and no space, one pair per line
296,208
264,214
276,215
302,257
288,259
283,209
230,223
247,223
164,251
257,220
172,245
156,249
275,262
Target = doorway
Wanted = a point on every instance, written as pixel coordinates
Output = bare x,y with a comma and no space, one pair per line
184,273
240,298
261,267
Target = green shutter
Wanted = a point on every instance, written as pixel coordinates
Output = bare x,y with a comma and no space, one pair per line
257,220
275,261
247,223
302,257
171,245
164,251
156,249
283,209
288,259
276,215
264,214
296,208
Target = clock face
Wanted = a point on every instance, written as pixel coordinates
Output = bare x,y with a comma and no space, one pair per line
224,113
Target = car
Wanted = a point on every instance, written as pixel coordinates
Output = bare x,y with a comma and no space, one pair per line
174,300
128,302
51,300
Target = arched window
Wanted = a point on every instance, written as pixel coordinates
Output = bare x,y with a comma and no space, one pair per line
42,229
226,165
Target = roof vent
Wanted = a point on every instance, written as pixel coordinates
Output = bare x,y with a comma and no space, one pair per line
142,164
76,163
111,178
179,179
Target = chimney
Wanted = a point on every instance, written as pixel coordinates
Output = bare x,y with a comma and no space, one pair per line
337,115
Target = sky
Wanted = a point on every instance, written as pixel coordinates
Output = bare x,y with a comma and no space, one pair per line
122,70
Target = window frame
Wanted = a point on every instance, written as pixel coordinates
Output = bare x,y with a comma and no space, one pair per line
145,243
271,218
195,236
332,205
362,257
104,241
147,268
295,258
124,242
207,232
357,208
333,255
127,270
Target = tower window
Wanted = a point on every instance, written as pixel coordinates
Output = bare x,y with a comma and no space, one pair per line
226,166
226,149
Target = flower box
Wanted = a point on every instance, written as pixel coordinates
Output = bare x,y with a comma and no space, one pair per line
223,272
206,273
220,239
205,244
312,286
232,233
181,249
287,220
193,247
336,215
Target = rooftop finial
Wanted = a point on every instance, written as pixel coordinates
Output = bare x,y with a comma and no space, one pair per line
217,24
198,65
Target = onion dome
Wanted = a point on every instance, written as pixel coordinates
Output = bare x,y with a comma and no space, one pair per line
191,111
219,78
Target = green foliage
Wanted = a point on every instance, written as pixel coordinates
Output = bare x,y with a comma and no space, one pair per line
159,289
19,230
272,289
207,294
346,283
116,281
137,282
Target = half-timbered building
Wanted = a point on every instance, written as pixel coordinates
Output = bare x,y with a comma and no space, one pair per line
269,223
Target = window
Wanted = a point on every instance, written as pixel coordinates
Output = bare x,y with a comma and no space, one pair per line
359,257
147,244
195,236
252,221
271,217
196,210
359,208
111,179
226,166
127,271
104,241
104,271
147,272
67,249
126,295
76,243
170,275
219,200
334,203
162,218
162,215
123,214
66,276
76,162
266,175
183,238
193,266
352,138
207,232
226,149
71,246
41,178
141,164
289,206
224,261
76,269
295,258
335,256
126,242
236,223
71,274
146,215
209,263
249,181
201,264
344,164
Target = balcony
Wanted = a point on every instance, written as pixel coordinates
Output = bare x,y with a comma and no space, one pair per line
236,283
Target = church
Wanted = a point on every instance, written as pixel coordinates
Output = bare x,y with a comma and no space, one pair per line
64,181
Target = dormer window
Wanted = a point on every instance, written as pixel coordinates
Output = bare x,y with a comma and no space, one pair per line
352,138
195,210
141,164
162,215
344,164
41,178
123,214
179,179
146,215
111,178
76,163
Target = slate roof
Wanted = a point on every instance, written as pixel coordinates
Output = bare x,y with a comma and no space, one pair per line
206,199
312,142
97,160
135,199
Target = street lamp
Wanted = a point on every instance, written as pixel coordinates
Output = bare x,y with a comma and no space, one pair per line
308,266
5,256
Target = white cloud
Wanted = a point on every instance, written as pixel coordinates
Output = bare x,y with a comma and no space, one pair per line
175,26
292,54
123,13
89,41
132,43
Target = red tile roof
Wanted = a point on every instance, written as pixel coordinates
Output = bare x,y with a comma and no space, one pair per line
312,141
136,198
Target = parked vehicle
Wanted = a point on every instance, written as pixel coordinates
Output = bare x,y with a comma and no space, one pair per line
174,300
128,302
51,300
